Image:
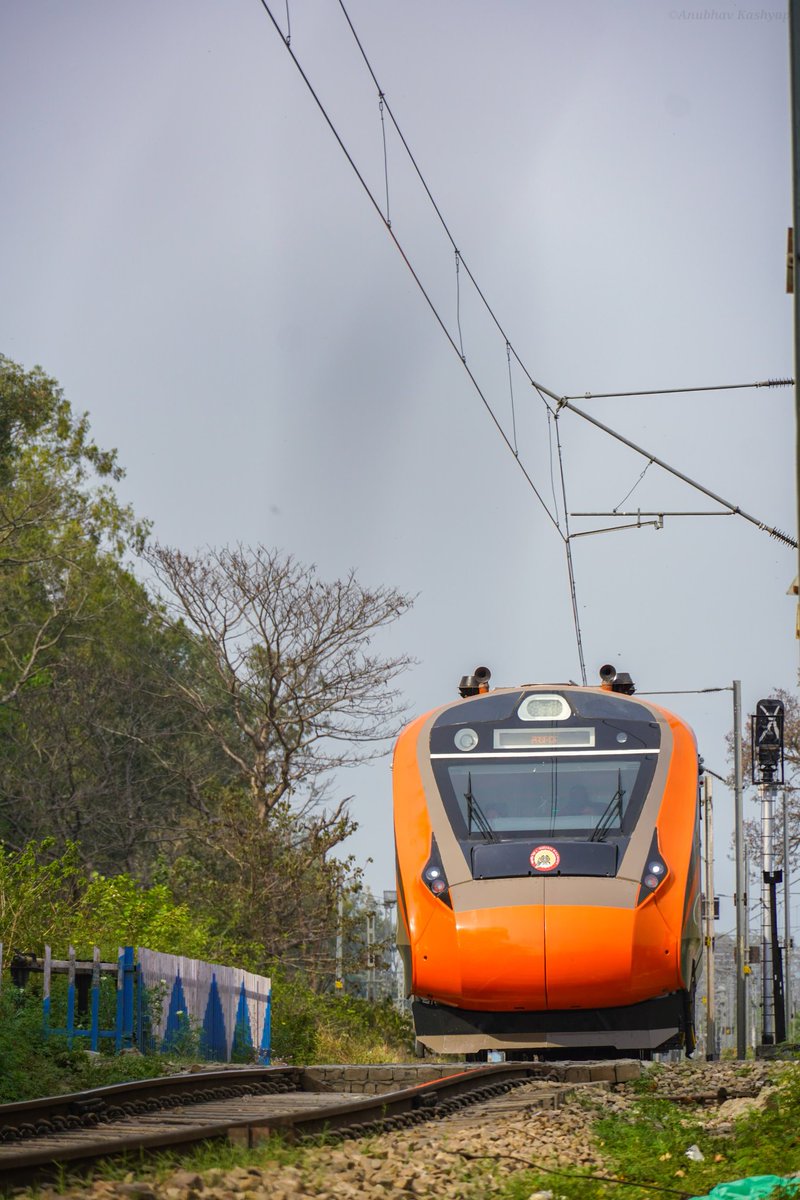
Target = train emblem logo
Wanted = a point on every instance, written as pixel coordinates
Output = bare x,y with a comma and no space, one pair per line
545,858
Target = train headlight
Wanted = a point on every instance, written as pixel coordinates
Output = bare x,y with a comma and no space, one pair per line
433,875
655,871
466,739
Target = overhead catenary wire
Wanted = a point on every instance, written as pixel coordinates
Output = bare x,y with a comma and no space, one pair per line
404,256
636,484
385,159
434,205
687,691
511,390
662,512
545,394
539,387
458,319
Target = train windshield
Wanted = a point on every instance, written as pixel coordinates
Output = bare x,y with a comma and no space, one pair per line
567,797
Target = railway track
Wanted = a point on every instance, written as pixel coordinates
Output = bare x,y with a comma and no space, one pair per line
40,1137
456,1114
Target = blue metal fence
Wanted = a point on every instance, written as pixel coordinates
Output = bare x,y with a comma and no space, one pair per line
164,1003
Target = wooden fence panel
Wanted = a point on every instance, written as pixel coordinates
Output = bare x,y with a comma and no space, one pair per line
228,1009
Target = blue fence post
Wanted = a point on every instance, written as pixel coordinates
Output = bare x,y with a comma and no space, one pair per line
140,1006
118,1017
265,1049
129,971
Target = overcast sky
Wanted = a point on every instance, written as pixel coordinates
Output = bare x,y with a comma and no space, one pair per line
186,249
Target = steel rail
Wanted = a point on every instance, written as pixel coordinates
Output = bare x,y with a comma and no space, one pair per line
97,1100
34,1158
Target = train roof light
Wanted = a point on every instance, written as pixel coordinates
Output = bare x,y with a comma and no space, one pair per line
613,680
475,684
542,706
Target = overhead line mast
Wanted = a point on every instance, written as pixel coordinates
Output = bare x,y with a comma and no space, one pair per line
794,81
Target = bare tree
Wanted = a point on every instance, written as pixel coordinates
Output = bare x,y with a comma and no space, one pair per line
287,681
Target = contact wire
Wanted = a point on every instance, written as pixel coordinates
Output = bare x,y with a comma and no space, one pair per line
407,262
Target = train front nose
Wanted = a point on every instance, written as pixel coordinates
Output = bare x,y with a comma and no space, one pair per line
622,953
555,956
501,953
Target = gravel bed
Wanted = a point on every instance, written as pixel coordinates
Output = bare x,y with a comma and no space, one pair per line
466,1156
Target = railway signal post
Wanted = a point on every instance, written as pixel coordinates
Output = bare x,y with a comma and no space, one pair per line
767,771
742,966
787,924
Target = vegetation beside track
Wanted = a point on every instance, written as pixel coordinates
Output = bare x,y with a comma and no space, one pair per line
31,1066
633,1136
308,1028
648,1145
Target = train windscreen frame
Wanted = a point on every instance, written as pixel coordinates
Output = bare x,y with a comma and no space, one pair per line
555,796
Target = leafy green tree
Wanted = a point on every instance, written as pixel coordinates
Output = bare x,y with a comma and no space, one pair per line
53,900
120,911
39,896
182,742
93,750
58,515
96,751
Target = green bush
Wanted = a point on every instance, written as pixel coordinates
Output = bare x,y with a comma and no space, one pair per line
46,899
33,1065
294,1019
309,1027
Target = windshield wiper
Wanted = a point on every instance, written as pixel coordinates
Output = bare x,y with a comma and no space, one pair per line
475,811
602,827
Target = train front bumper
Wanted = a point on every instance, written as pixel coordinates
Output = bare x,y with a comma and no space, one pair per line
546,957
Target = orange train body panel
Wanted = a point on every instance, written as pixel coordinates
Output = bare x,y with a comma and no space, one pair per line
500,951
589,950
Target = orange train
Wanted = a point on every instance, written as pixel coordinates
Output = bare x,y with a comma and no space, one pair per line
547,842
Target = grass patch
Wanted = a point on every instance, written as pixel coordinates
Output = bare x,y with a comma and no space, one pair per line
648,1146
205,1156
32,1065
309,1027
